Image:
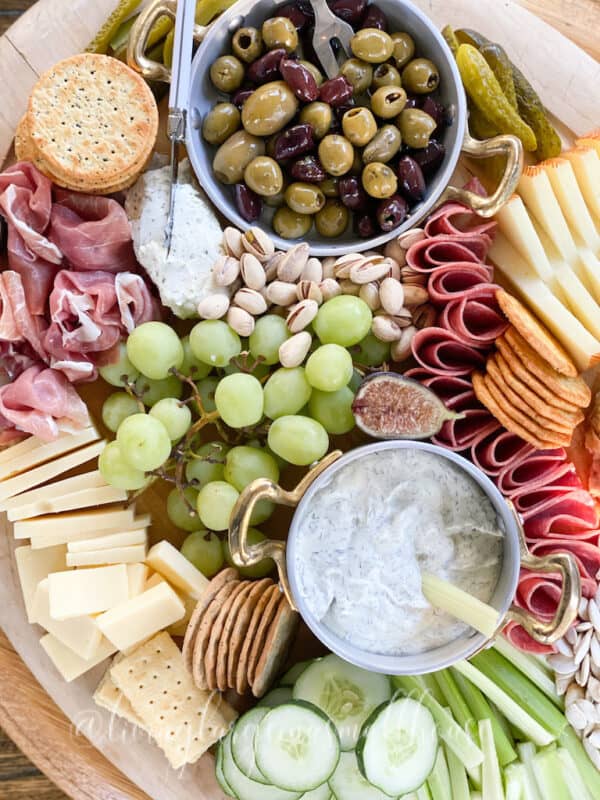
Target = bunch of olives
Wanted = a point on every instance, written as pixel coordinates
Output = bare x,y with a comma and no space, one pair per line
359,146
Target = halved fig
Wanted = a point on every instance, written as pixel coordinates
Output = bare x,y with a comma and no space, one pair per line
390,406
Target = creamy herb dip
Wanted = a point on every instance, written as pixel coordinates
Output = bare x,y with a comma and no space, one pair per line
366,535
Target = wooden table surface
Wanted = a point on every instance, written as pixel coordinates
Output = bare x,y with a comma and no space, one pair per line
19,778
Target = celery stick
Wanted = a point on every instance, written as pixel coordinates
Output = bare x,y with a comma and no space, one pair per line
453,698
460,604
503,722
507,706
458,777
514,776
491,776
548,771
476,796
591,777
532,667
423,793
521,689
439,778
432,687
574,781
527,752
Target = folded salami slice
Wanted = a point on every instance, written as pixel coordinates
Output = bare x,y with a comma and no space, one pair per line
459,434
447,387
477,319
550,500
428,254
587,555
444,353
539,593
456,218
519,637
533,472
501,451
457,281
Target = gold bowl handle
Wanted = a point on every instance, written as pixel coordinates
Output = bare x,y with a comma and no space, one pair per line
242,553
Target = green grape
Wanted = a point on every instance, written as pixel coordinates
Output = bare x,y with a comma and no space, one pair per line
206,390
150,392
286,391
299,440
343,320
154,348
113,373
215,504
144,442
176,417
259,570
329,368
118,472
333,409
180,513
205,551
191,367
245,464
214,342
201,469
355,381
116,408
370,352
261,512
259,371
239,400
269,333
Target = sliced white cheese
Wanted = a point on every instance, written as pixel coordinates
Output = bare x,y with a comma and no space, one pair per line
154,580
35,565
45,451
87,480
179,628
85,524
137,575
70,502
141,617
87,591
536,190
587,268
68,663
564,183
80,634
168,561
587,275
111,555
120,539
515,223
586,166
579,300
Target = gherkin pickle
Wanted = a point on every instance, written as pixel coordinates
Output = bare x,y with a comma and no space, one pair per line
502,68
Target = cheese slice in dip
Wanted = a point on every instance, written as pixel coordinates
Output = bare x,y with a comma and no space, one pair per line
366,535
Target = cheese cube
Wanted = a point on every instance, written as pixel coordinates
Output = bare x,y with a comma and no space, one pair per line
111,555
141,617
80,634
137,575
31,457
35,565
86,498
85,524
179,627
121,539
154,580
87,591
168,561
68,663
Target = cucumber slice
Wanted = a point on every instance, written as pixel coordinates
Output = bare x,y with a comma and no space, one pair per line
219,770
296,747
242,744
245,788
397,747
293,673
322,792
277,697
347,694
348,782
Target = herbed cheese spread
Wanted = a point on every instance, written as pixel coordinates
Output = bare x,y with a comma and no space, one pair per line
366,536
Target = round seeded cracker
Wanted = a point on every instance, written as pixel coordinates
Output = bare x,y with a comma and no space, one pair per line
205,630
260,636
216,632
279,639
243,618
265,606
529,387
225,637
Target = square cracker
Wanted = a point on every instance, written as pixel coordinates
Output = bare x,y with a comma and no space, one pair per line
110,697
184,721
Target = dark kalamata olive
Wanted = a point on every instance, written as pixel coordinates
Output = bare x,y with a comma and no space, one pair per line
247,202
365,227
352,194
351,11
435,110
341,110
294,13
411,101
294,142
239,98
375,18
308,169
391,212
266,68
336,91
411,182
299,79
429,158
306,8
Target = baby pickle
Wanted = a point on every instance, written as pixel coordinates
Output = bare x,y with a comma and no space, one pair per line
103,38
168,48
206,10
502,68
450,37
486,93
469,36
533,112
479,126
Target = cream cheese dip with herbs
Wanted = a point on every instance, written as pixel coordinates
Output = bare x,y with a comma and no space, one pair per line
371,530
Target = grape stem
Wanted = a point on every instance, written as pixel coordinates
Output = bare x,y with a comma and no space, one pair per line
206,418
132,392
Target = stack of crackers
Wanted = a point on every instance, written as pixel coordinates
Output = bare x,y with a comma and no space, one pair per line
239,634
531,384
151,688
90,126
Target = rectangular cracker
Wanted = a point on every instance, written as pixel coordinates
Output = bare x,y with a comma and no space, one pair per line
110,697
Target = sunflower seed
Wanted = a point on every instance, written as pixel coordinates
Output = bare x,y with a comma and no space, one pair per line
583,647
292,264
593,689
301,315
594,614
259,244
571,636
295,349
232,242
562,683
582,627
594,738
369,293
309,290
583,673
241,321
251,301
595,651
386,329
329,288
564,648
252,271
592,752
213,307
583,608
561,664
313,271
391,294
576,716
597,596
328,265
225,270
573,694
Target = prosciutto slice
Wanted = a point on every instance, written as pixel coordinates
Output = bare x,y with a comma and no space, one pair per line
17,324
443,352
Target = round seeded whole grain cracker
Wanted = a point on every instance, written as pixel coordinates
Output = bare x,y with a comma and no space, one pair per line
224,640
93,120
241,667
539,337
276,647
216,632
24,147
530,387
261,633
243,617
203,634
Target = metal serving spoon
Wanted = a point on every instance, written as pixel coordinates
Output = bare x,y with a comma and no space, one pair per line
328,27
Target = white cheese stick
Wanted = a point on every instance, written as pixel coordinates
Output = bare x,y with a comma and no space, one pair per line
120,539
80,634
76,524
68,663
45,451
536,190
113,555
87,480
87,498
564,183
35,565
87,591
586,166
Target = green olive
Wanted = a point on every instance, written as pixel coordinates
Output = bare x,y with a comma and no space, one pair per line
227,73
404,48
317,75
336,154
234,155
416,127
358,73
304,198
372,45
330,187
264,176
276,200
332,219
379,180
383,146
388,101
319,115
247,44
289,224
269,108
420,76
386,75
220,123
280,32
359,126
